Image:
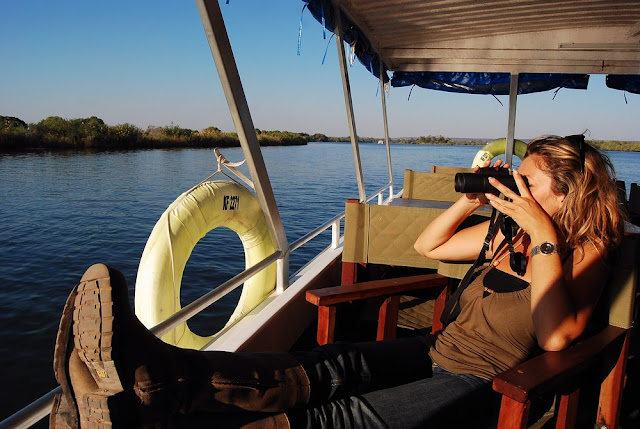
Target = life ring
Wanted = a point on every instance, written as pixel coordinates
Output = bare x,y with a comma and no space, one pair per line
189,218
498,147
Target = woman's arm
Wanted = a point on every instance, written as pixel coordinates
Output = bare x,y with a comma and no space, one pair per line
440,240
562,298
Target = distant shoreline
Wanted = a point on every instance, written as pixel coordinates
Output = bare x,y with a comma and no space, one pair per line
605,145
58,134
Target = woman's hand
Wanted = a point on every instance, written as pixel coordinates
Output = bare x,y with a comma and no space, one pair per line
441,239
480,198
523,208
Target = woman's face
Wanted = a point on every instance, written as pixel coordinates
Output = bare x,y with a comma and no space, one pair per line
540,184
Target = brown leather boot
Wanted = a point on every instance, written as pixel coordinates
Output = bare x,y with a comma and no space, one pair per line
140,380
79,405
64,414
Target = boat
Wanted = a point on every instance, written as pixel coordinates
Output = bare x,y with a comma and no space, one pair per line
484,47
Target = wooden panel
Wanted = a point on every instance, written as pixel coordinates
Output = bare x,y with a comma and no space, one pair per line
567,411
513,414
551,369
441,300
376,288
349,273
326,325
388,319
611,390
524,31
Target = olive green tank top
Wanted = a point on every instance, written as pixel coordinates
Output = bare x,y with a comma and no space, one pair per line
493,332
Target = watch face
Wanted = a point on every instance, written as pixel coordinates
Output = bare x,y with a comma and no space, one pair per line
547,248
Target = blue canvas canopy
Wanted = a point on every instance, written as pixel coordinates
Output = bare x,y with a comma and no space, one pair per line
629,83
323,12
489,83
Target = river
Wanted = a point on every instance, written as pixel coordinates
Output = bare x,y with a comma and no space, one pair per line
62,212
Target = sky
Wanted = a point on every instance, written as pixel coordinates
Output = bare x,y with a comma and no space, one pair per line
148,63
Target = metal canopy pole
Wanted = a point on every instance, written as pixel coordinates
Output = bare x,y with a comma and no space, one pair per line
348,103
386,129
225,63
511,124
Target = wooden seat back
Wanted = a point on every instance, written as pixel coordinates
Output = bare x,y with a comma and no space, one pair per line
634,204
618,297
438,185
386,234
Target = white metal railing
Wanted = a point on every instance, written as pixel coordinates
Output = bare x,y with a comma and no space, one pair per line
32,413
335,226
41,407
380,194
212,296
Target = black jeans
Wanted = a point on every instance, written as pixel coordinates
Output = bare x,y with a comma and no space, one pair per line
391,384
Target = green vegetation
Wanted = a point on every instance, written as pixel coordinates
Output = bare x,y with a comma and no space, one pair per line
615,145
55,132
438,140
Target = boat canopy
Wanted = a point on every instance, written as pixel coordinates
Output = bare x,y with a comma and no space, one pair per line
323,11
489,83
474,47
623,82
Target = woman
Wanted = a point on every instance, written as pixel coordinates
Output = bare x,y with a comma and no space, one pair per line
113,371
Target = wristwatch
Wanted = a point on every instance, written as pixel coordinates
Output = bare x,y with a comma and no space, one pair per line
545,248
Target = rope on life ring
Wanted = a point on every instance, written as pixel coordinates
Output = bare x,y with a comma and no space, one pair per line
190,217
498,147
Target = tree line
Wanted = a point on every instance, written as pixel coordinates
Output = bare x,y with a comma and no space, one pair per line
55,132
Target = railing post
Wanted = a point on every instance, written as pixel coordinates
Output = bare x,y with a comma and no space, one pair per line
346,89
282,273
335,234
218,38
383,99
511,124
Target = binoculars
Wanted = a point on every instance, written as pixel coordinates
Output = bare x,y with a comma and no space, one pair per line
470,183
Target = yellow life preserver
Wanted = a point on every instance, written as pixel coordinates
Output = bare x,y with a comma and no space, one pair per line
189,218
497,147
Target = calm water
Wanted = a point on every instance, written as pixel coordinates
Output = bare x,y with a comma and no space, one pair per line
60,213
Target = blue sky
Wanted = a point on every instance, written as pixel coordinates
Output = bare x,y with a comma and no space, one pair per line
148,63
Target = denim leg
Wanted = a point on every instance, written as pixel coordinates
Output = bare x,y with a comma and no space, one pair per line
457,400
343,413
341,370
461,400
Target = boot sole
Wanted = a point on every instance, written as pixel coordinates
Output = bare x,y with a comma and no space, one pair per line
93,338
65,409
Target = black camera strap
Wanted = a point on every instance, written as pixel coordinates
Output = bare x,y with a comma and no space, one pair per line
452,306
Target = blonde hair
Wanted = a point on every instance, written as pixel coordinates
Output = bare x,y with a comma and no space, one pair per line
586,177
